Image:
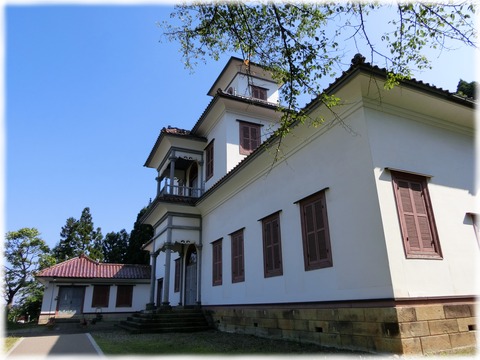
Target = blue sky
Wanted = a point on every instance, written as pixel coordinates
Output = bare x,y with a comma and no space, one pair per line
88,89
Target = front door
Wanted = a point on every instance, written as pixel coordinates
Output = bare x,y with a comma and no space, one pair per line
191,276
70,300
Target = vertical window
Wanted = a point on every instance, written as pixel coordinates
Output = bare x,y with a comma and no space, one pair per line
415,214
249,137
100,296
316,237
209,160
176,286
238,269
217,262
259,92
124,296
272,249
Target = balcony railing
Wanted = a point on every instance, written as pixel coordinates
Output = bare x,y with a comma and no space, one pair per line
180,190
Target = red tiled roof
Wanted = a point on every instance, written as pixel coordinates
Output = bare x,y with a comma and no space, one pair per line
175,131
84,267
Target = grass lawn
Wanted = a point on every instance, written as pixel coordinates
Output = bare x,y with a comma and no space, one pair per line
207,342
8,343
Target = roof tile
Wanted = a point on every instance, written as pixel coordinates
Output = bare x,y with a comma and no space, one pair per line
84,267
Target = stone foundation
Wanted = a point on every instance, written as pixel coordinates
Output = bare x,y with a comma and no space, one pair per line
43,318
422,328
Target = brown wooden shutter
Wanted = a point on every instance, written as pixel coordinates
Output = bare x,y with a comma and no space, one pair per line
245,141
254,137
100,296
316,237
415,215
272,246
238,271
209,160
217,262
124,295
249,137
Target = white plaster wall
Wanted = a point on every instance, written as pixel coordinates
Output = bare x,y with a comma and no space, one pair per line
160,268
185,221
416,145
174,297
218,133
190,235
140,298
338,160
233,134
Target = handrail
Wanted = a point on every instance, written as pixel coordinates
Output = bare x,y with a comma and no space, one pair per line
181,190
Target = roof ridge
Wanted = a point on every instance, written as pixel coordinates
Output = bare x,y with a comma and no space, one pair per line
58,264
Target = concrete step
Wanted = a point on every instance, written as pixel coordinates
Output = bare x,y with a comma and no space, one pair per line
179,320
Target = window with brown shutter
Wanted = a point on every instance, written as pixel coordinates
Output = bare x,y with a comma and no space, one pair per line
259,92
217,262
100,296
124,296
209,160
272,248
249,137
238,270
315,233
415,214
176,286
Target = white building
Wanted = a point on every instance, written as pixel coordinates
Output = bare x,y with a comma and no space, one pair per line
82,288
361,235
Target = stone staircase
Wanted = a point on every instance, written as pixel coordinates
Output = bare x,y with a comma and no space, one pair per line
163,321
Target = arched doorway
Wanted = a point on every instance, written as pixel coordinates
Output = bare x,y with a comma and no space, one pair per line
191,276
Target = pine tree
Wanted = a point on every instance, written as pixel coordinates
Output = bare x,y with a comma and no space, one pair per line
79,237
115,247
141,234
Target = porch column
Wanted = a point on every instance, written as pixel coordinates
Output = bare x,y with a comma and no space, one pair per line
168,257
153,261
200,171
199,274
166,280
182,271
172,173
159,184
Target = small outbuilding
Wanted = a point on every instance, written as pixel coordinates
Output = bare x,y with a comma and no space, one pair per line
85,289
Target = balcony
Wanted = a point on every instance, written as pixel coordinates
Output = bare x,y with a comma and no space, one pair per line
177,189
